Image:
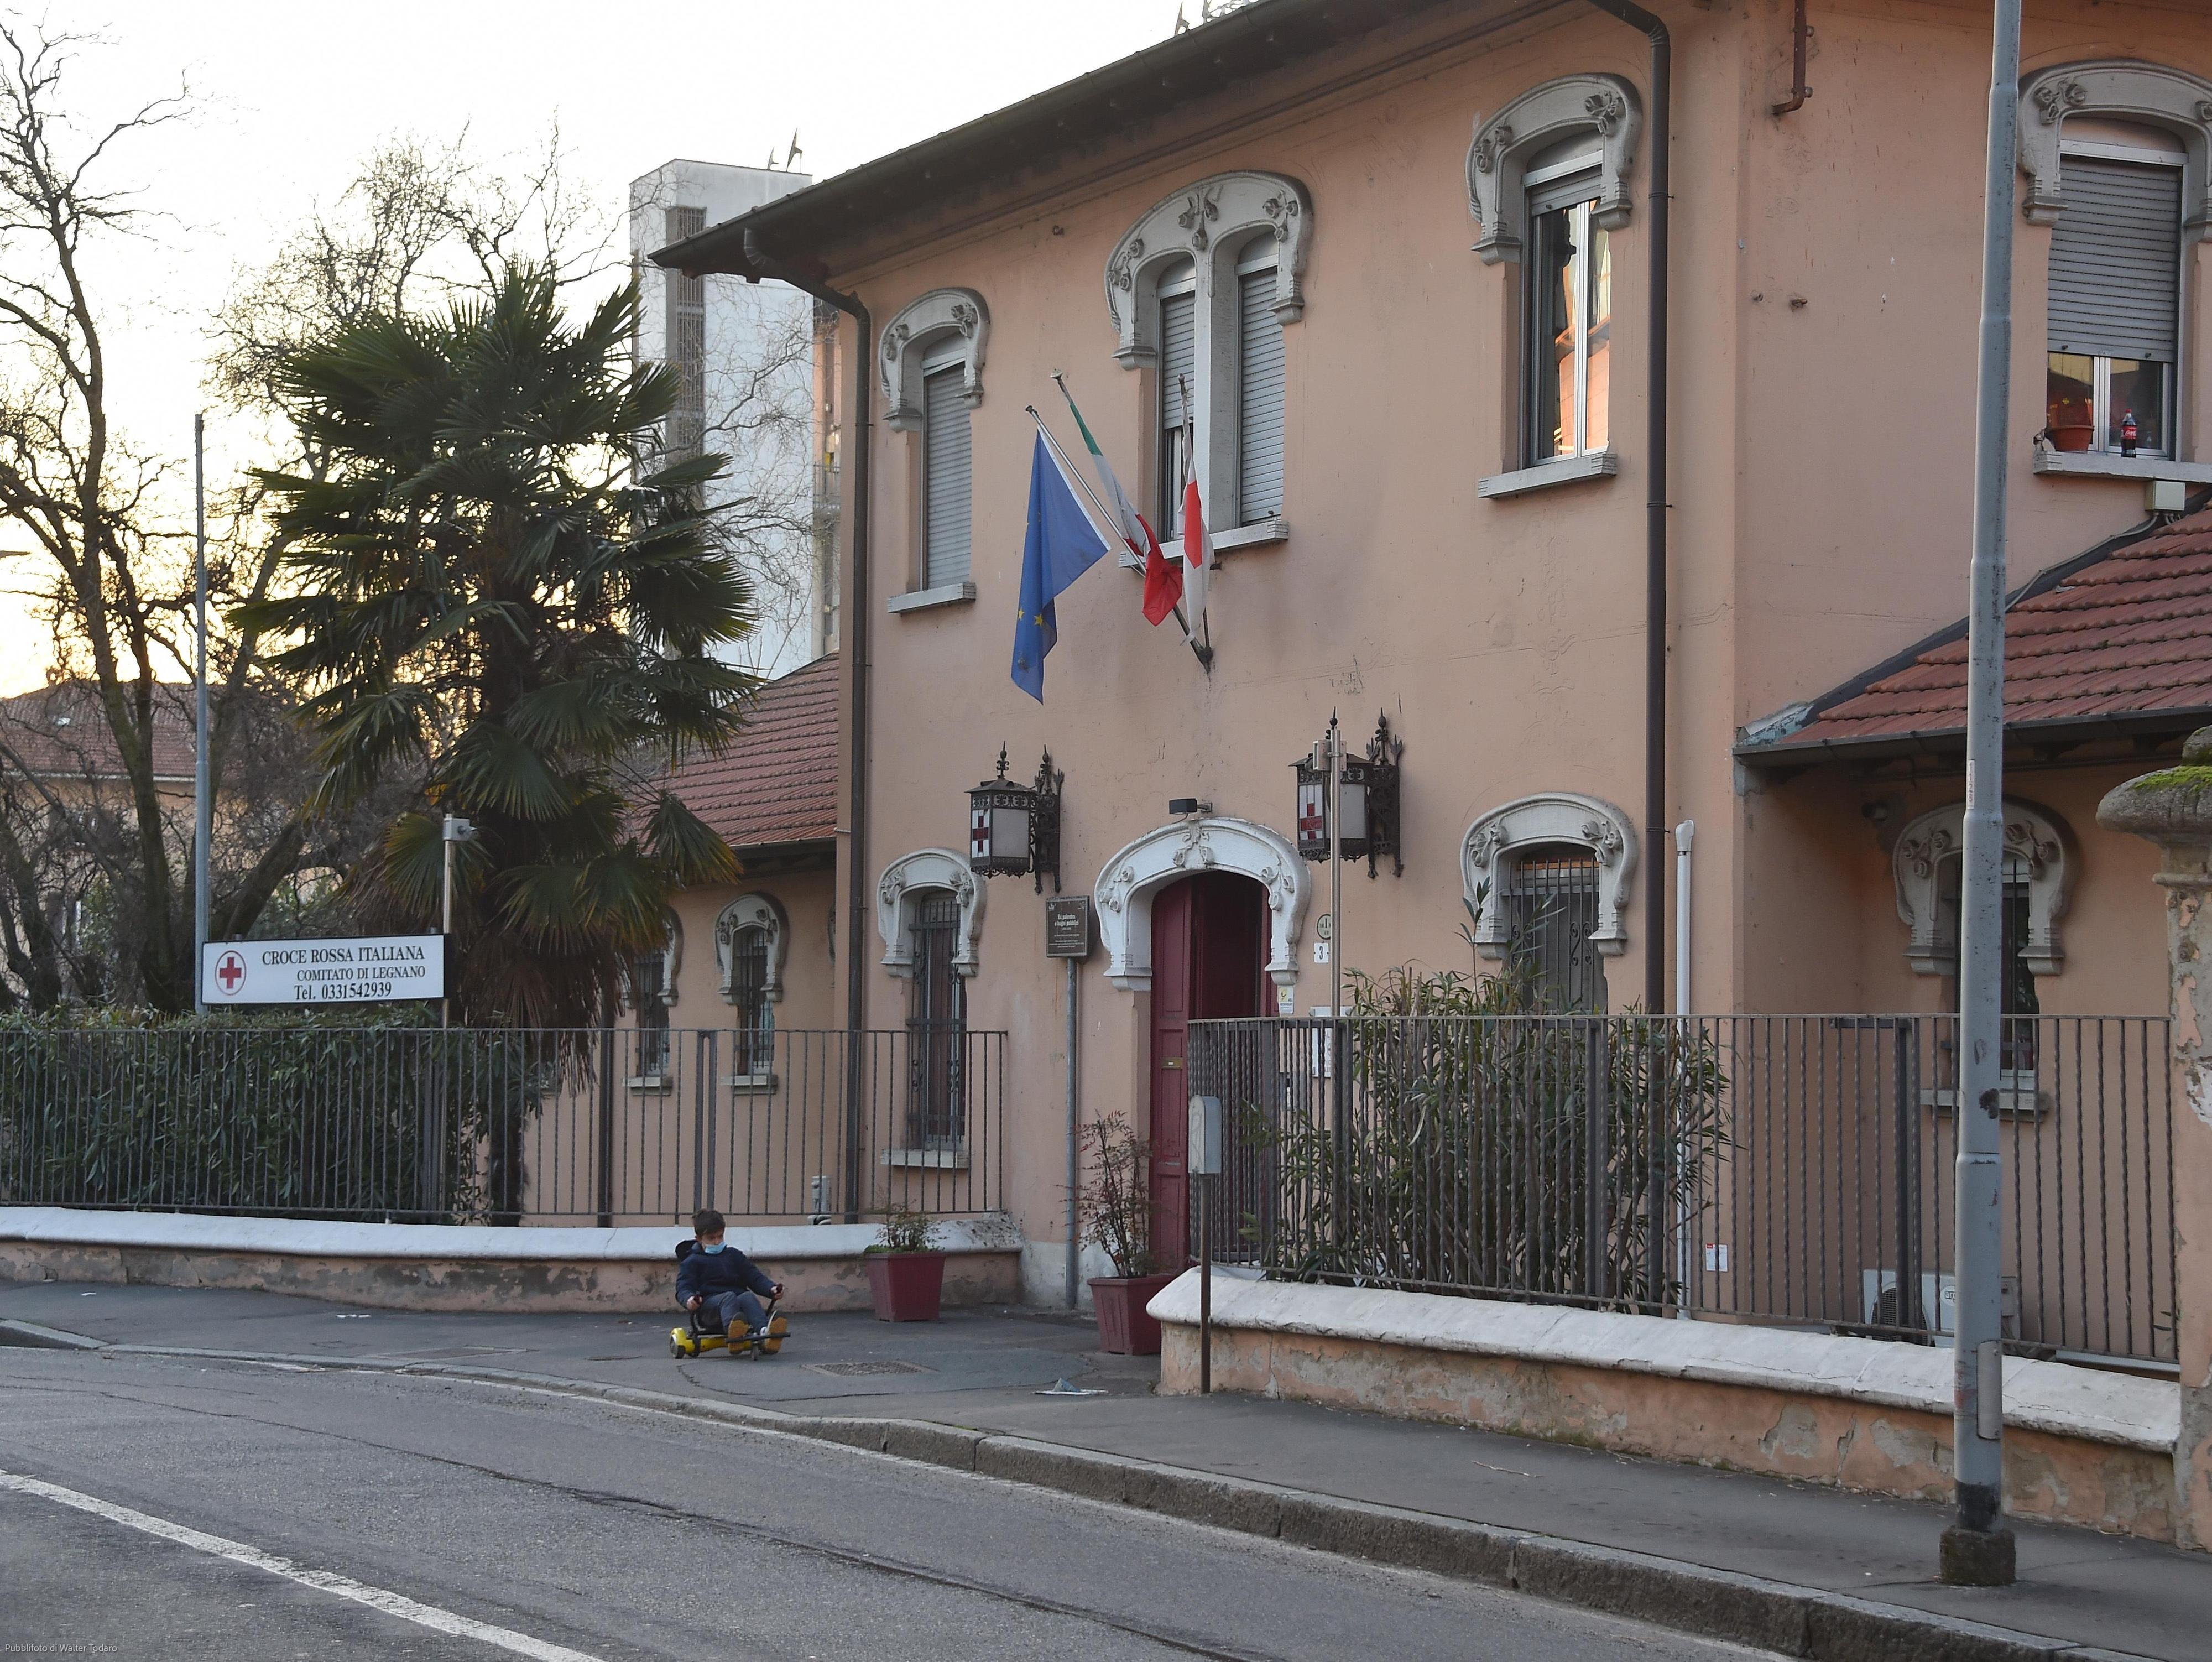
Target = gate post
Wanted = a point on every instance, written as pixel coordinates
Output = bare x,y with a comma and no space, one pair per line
2173,809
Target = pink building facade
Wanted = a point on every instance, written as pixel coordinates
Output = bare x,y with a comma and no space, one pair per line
1399,267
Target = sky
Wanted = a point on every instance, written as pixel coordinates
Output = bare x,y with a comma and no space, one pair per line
283,100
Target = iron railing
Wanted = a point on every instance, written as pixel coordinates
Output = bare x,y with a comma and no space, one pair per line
1781,1169
586,1126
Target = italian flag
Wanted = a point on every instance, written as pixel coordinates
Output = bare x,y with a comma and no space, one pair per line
1164,584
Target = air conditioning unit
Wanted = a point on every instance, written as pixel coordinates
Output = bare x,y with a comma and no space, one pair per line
1939,1299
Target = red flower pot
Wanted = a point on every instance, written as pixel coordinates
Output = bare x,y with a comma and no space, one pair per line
908,1287
1124,1327
2074,439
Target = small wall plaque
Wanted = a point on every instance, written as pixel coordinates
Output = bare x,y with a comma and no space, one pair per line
1067,926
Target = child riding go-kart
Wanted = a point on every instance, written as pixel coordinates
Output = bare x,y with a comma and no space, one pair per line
720,1290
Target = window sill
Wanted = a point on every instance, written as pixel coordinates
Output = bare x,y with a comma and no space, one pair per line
1560,470
1258,535
2094,465
650,1084
2017,1097
928,1159
922,599
745,1083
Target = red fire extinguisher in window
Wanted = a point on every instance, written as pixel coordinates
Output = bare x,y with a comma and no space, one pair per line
2129,432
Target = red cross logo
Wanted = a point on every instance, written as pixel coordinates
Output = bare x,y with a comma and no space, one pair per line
230,973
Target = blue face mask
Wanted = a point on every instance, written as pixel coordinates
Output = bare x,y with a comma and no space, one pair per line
712,1247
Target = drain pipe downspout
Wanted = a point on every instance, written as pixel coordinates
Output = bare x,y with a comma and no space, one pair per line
1654,527
854,625
1685,834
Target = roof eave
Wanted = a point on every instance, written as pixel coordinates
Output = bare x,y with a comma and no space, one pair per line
1952,740
1201,63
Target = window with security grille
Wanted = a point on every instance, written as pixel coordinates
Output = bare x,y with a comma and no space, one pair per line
649,996
2115,308
755,1042
936,1026
2016,979
1551,908
685,350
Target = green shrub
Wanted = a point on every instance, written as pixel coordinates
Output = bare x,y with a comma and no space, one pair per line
1472,1155
385,1117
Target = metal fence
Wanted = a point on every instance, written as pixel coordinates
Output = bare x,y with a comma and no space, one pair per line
1781,1169
588,1126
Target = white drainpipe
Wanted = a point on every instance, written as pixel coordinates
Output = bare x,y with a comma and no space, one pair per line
1685,834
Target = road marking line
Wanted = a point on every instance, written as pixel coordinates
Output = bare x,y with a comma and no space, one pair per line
392,1603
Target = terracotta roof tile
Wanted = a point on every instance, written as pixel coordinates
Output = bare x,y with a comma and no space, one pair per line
60,732
2129,634
777,783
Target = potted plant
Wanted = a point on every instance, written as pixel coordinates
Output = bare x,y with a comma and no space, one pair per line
1116,1211
906,1269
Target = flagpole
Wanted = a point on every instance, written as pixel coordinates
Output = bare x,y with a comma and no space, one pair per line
1203,654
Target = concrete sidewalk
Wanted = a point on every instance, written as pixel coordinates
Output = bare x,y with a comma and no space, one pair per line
982,1371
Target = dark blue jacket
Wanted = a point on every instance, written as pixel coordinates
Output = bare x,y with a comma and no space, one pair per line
729,1270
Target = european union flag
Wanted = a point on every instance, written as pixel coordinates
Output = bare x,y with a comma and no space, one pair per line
1061,545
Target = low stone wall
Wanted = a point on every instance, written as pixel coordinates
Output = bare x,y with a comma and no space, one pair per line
400,1266
2081,1445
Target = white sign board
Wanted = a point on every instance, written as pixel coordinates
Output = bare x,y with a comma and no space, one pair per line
365,969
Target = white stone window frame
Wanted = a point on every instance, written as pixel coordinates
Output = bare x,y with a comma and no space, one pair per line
910,874
1930,840
938,318
1549,818
2116,89
757,910
672,960
1605,107
1211,224
1181,848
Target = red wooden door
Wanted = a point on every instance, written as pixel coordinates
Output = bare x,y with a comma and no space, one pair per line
1209,954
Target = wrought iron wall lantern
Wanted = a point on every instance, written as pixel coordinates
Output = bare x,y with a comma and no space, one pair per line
1369,792
1013,829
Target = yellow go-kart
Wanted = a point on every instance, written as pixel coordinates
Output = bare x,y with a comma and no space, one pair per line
698,1334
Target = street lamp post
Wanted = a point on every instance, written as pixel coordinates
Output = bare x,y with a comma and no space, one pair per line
202,807
1978,1549
457,829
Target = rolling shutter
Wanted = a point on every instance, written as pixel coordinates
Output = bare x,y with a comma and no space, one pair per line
946,479
1259,398
2116,260
1178,370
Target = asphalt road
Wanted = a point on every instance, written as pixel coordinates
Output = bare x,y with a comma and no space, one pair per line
154,1506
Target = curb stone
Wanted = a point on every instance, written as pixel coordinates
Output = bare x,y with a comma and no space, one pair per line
1796,1622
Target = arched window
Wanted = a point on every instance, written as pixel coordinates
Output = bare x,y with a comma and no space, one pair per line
1548,878
2118,156
752,936
932,378
1199,290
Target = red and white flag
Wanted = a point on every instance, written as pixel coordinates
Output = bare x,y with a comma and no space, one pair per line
1197,547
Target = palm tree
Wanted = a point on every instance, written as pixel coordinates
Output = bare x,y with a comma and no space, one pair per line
497,591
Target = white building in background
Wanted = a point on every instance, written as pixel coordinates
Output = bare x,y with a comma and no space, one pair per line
748,356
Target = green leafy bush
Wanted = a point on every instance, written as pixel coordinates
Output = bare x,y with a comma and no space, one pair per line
385,1117
1471,1153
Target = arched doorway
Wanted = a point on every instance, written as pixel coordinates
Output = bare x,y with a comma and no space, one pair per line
1209,939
